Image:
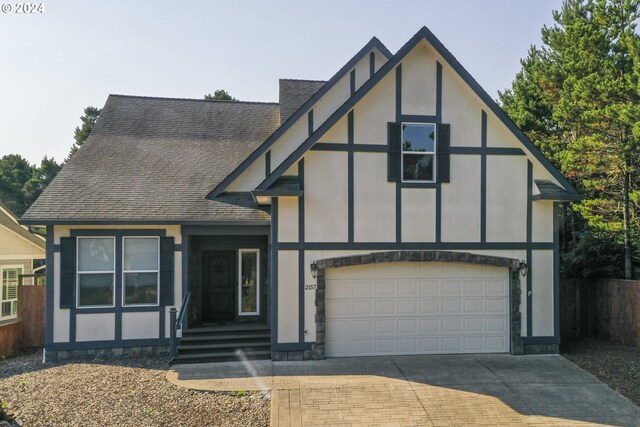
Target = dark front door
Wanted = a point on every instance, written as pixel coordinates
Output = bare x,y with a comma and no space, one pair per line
218,286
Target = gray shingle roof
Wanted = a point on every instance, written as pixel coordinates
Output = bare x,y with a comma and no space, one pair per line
155,160
550,191
294,93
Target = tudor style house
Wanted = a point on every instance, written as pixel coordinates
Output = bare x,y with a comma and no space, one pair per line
393,209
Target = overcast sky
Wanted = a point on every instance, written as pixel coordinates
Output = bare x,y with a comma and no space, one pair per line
76,53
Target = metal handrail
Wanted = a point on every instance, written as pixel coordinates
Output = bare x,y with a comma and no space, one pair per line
183,311
176,323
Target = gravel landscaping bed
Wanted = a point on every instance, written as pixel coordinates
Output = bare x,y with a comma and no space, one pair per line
127,392
616,365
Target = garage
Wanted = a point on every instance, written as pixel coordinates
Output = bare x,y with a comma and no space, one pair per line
416,308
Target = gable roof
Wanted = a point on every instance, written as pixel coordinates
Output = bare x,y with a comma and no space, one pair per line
426,34
550,191
9,221
152,160
294,93
374,43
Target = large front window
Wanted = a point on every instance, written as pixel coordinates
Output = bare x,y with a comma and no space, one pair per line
96,271
418,151
9,296
140,270
249,278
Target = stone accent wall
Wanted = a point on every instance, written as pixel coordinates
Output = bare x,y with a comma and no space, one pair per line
317,350
105,353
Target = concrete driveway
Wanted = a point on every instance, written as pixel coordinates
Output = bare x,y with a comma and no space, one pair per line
491,390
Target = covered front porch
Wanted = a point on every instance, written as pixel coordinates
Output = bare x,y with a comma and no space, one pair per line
226,278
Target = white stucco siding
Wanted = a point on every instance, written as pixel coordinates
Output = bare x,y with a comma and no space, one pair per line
419,82
542,297
542,221
326,197
461,108
60,316
418,215
286,144
95,327
374,111
331,100
287,219
461,201
288,301
363,71
337,134
374,199
507,199
140,325
249,178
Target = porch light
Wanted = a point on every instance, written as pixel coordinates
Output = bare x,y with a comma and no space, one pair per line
314,269
523,268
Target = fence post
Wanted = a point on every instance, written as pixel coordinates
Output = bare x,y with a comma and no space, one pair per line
172,332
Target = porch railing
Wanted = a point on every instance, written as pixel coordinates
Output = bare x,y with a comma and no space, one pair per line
176,320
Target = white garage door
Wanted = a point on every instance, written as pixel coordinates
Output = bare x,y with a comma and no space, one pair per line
416,308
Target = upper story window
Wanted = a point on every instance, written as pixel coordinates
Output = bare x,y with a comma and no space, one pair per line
418,151
140,270
96,271
9,294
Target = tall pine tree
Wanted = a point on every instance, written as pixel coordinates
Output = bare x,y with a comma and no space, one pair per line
577,97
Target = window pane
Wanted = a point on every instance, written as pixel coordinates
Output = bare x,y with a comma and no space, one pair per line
6,309
141,288
141,254
249,284
95,289
417,167
95,254
419,137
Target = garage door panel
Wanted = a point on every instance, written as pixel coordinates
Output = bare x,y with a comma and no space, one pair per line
452,308
429,287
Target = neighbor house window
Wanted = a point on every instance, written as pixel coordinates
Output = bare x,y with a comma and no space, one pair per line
418,151
249,278
9,301
140,270
96,271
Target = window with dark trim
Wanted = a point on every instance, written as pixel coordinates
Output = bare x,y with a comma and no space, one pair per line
418,152
140,270
96,271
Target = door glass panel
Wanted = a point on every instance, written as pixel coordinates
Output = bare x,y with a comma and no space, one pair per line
249,282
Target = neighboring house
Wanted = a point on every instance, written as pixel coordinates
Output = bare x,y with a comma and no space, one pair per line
20,253
385,211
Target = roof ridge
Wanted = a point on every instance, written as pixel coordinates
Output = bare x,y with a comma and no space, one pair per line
303,80
166,98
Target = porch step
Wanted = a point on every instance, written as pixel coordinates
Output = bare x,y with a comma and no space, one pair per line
221,357
224,346
218,343
189,339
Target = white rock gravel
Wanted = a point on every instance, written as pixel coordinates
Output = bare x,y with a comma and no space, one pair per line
127,392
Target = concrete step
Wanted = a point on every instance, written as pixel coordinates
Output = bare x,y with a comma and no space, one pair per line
222,347
220,338
221,357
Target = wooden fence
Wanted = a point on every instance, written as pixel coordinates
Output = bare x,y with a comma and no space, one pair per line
27,331
608,309
31,313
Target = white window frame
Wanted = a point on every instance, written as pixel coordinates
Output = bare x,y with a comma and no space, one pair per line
13,300
402,152
78,272
124,287
240,312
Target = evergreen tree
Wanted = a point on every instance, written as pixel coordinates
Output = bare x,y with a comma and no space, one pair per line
219,95
577,98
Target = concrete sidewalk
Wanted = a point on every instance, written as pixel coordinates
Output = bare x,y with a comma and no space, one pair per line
492,390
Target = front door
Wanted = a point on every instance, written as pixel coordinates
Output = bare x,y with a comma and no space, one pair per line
218,286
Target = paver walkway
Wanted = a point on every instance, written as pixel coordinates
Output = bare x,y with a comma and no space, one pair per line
473,390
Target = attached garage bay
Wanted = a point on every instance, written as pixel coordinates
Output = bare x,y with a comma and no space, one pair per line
416,308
